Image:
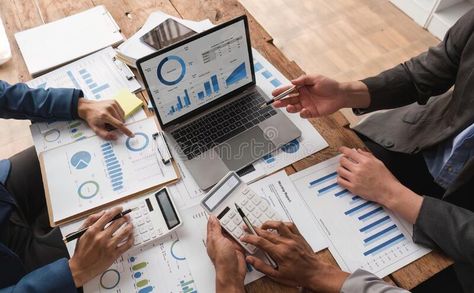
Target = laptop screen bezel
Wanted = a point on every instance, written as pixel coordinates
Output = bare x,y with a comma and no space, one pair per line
188,40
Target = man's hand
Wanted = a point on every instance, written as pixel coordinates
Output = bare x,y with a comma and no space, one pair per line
102,116
228,259
297,263
321,96
100,246
363,174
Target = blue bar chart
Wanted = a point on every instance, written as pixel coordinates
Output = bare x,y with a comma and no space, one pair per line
181,103
95,88
114,170
362,233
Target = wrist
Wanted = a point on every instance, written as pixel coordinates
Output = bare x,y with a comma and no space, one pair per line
403,201
327,278
83,106
355,94
77,274
229,282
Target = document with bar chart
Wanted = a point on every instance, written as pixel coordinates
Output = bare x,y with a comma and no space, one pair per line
158,267
99,77
361,234
92,172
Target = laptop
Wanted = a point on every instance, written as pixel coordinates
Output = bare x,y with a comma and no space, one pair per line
205,97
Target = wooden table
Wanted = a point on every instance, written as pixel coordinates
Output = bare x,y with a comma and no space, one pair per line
19,15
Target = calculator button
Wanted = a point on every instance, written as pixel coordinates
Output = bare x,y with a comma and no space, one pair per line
256,200
142,230
257,213
251,247
147,219
237,220
137,215
245,190
232,214
140,222
250,195
263,206
138,240
231,226
238,232
153,235
150,227
225,221
250,207
270,214
244,201
146,236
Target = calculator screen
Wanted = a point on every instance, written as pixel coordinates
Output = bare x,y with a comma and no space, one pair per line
167,209
221,192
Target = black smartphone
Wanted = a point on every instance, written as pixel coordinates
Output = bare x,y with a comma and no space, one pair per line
166,33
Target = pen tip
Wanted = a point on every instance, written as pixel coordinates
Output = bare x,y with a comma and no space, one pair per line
236,205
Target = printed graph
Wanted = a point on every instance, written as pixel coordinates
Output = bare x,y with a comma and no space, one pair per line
114,169
95,87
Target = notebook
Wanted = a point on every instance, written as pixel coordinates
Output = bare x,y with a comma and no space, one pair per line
50,45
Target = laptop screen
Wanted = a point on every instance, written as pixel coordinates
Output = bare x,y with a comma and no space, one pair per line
199,71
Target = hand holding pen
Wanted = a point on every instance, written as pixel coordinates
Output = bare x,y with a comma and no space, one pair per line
318,96
101,244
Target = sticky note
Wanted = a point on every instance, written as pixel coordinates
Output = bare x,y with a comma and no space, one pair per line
128,101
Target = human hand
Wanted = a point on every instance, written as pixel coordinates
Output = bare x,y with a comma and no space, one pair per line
100,246
363,174
318,96
102,115
298,265
366,176
228,258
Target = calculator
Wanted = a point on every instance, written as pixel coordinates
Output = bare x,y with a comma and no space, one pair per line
154,216
220,201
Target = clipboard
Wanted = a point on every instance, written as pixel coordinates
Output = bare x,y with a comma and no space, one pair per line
99,207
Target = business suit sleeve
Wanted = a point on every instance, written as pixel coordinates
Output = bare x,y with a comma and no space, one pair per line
18,101
55,277
429,74
446,227
363,281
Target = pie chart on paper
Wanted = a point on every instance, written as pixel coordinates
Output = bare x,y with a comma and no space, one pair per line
81,160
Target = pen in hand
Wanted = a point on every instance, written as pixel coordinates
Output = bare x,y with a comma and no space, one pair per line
252,231
284,94
74,235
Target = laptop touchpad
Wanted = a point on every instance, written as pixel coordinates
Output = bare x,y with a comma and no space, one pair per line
245,148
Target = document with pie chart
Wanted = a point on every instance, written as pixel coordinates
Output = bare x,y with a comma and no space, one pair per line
93,172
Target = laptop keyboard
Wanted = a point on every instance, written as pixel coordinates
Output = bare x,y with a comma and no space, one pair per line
222,124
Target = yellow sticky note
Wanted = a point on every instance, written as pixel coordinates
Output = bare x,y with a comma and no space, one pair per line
128,101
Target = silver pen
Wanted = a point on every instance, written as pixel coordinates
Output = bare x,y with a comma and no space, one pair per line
272,262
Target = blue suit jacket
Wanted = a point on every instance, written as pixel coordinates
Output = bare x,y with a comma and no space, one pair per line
20,102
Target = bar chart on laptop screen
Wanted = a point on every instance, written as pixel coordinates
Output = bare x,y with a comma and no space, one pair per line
362,234
194,74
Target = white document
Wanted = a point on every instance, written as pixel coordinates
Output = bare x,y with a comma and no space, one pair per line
269,78
159,267
59,42
192,237
133,48
99,77
5,51
360,234
93,172
282,196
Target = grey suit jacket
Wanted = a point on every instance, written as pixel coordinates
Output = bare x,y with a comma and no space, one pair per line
427,114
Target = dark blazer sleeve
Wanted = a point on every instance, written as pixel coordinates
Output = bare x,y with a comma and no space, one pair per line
429,74
55,277
21,102
446,227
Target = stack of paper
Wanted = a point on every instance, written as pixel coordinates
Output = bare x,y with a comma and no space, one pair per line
48,46
133,49
5,51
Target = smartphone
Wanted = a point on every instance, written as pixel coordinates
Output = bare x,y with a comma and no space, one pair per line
166,33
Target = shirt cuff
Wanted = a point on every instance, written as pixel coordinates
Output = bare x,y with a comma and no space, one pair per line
76,95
